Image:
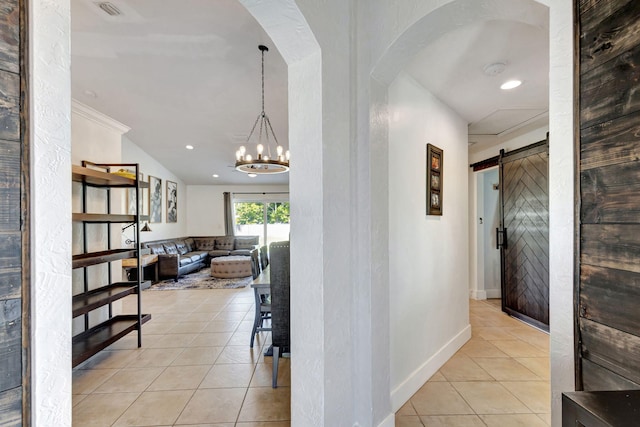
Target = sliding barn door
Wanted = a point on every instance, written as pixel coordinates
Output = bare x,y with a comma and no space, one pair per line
524,234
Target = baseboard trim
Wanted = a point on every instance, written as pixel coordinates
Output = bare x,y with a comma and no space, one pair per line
390,421
401,394
493,293
478,295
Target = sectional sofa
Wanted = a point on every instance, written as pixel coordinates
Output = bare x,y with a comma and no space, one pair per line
184,255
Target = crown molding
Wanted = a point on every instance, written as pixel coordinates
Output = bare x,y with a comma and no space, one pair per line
97,117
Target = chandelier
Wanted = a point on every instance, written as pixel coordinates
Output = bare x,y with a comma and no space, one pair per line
264,162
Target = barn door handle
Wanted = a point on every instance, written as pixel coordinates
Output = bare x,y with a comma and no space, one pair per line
501,238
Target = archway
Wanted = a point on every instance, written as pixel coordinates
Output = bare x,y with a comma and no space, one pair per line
397,55
288,29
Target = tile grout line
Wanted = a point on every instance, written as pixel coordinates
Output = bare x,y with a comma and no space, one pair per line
203,378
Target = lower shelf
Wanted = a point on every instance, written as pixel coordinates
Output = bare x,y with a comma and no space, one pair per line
91,341
84,303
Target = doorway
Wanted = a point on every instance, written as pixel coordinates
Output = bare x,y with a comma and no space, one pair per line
489,273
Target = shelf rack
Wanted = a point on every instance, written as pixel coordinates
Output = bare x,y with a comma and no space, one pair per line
97,337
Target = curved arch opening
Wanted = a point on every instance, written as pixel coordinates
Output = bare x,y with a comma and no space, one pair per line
409,375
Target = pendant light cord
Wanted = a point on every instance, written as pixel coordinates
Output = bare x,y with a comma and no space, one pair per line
262,82
265,123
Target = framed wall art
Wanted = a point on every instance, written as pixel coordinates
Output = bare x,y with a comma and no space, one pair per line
434,180
155,199
172,201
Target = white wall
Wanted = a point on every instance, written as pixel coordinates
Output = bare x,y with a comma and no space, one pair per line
561,203
50,139
205,206
481,152
95,137
131,153
427,281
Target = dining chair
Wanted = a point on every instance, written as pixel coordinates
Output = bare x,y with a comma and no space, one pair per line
262,294
279,259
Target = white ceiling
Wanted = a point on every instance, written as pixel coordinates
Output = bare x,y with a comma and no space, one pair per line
180,72
453,67
188,72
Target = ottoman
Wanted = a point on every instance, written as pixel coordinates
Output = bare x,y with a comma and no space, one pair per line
229,267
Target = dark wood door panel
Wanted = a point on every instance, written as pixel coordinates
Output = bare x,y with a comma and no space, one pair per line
525,257
14,216
10,250
606,35
11,407
9,185
611,245
585,5
615,350
610,297
605,90
9,106
592,17
597,378
11,348
10,40
608,210
527,171
612,194
527,204
10,283
610,143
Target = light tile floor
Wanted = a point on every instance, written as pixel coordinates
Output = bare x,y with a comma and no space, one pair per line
500,378
195,368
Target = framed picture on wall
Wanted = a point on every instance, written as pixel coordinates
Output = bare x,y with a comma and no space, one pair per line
172,201
155,199
434,180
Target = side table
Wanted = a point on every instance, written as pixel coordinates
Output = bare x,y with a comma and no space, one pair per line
601,408
149,260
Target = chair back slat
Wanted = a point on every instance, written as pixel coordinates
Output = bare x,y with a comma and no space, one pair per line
280,295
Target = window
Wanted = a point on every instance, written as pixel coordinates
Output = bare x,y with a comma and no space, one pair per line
267,219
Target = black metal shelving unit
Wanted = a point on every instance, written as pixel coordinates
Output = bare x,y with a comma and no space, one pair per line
97,337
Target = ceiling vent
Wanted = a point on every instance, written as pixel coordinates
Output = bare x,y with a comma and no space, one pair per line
109,8
494,69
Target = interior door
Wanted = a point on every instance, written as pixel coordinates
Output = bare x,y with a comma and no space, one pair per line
523,235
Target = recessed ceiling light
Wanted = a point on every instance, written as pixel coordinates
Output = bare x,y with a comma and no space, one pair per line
252,175
215,175
189,147
511,84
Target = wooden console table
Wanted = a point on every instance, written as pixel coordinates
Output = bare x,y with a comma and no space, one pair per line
601,408
149,260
